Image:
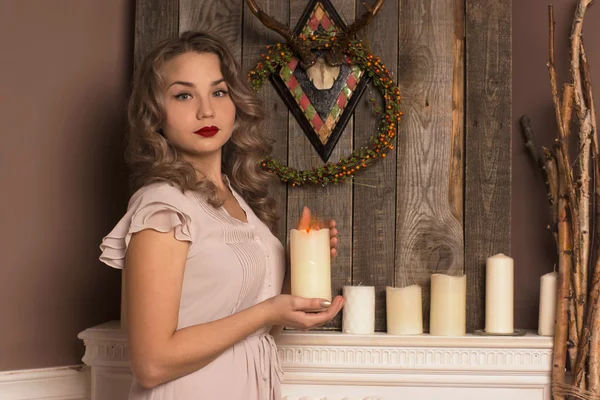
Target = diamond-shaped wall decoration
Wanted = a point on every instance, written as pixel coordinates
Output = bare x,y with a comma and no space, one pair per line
322,113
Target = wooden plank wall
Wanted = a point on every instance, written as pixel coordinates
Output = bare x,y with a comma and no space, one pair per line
488,143
429,233
402,219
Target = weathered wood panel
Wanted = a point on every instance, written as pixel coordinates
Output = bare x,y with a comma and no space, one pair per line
374,189
256,37
332,201
488,144
429,236
411,224
156,20
223,18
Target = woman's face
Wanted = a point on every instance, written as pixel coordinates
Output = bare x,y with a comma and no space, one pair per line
200,113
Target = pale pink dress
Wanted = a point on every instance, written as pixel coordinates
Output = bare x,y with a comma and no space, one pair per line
231,265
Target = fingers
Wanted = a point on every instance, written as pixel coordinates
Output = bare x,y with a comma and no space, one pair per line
325,316
333,242
311,305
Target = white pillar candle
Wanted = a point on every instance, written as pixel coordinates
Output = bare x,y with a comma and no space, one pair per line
358,315
310,263
499,294
404,310
448,305
548,295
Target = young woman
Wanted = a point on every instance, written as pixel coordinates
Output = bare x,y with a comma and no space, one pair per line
203,271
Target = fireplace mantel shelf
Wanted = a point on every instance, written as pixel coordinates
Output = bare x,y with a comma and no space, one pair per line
336,366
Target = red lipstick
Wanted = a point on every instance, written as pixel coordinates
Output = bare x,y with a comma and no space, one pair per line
207,131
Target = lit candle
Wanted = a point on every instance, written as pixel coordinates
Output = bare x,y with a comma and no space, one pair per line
404,310
548,295
358,315
310,263
499,294
448,305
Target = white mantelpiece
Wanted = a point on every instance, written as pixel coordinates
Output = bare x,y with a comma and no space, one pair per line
336,366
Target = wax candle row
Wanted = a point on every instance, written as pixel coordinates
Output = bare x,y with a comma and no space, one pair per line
404,309
404,314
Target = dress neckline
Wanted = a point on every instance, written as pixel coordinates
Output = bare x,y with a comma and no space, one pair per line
240,201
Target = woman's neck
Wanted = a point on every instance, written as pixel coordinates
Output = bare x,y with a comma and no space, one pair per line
209,167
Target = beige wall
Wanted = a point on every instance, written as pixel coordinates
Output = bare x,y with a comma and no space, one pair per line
64,76
532,246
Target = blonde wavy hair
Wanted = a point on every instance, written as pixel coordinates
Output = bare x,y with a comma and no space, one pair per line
152,158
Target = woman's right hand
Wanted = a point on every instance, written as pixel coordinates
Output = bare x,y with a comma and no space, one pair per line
301,313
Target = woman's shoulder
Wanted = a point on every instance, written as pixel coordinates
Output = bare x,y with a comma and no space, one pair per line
163,191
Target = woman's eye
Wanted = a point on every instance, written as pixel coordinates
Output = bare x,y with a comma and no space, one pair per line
183,96
220,93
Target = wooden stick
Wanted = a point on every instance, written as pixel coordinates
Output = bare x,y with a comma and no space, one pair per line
573,342
594,362
547,164
563,138
552,71
567,107
592,323
591,328
564,278
551,171
589,98
582,246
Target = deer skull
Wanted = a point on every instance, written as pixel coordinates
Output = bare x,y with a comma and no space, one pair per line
323,75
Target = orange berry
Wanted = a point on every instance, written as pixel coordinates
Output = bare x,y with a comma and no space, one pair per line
383,155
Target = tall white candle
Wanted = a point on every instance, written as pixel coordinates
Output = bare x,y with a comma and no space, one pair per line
404,310
448,305
358,315
499,294
310,263
548,295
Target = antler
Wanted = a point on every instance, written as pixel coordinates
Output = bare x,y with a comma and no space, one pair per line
365,20
306,55
336,57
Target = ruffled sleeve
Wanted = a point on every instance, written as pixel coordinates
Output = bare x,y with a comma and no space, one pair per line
161,208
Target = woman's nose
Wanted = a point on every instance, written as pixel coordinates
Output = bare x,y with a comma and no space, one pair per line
205,110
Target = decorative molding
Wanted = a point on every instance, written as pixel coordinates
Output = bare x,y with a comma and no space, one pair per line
337,366
418,358
63,383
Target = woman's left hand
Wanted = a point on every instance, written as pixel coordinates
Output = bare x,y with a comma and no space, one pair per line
305,222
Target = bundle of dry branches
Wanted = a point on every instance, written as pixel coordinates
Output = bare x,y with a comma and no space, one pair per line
574,212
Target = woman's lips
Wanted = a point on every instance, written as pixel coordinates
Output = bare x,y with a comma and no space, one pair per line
207,131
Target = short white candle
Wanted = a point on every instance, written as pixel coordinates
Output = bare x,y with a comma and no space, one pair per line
358,315
404,310
310,263
448,305
499,294
548,295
